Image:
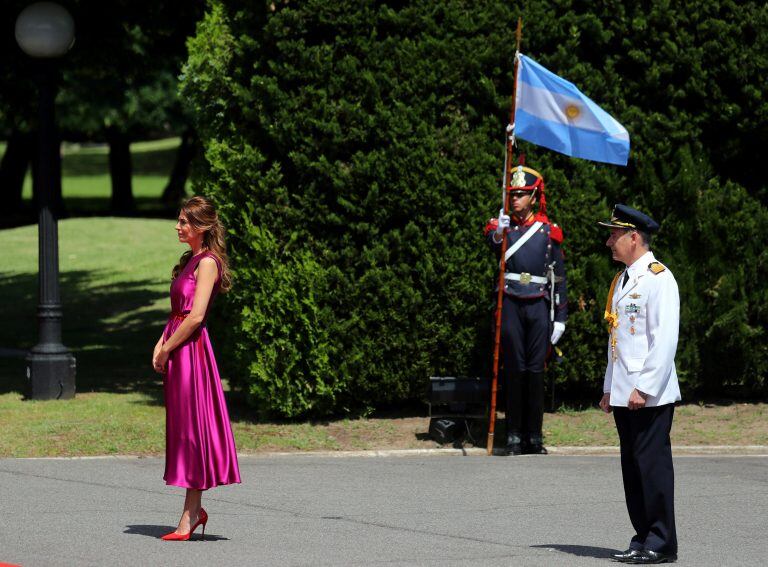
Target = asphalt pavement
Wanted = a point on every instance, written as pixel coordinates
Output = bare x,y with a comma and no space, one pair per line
409,510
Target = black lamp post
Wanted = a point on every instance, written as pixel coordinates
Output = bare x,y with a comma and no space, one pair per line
45,31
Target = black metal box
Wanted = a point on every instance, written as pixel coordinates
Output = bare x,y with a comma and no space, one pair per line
449,389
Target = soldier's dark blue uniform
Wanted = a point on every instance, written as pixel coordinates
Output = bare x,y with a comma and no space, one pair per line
535,295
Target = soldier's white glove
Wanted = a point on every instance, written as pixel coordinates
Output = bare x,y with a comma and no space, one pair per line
503,223
557,332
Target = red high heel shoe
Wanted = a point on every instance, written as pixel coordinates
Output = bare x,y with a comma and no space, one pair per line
202,518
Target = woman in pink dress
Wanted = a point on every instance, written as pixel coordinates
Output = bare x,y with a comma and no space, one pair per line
199,448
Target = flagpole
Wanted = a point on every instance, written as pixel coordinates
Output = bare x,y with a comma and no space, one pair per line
510,136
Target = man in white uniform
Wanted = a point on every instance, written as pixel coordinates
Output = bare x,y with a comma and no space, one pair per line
640,386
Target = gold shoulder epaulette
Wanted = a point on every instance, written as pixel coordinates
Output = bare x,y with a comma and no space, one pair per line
656,267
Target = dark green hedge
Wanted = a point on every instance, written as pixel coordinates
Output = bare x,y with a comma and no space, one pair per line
355,148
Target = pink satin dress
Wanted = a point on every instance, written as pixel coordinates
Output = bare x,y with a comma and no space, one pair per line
200,450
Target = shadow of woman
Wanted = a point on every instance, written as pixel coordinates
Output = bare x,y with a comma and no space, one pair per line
158,531
581,550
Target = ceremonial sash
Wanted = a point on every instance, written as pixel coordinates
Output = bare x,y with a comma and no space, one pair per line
523,239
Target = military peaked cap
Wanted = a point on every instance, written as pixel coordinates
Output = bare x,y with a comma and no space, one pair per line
524,179
627,217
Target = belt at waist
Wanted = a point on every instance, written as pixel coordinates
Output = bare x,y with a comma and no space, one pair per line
525,278
182,316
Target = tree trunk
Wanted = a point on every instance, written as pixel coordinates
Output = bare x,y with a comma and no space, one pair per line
174,190
13,170
120,171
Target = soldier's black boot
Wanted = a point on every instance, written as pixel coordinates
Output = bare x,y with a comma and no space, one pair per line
514,413
534,443
535,446
514,443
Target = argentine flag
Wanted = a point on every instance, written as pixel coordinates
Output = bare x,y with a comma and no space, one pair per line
551,112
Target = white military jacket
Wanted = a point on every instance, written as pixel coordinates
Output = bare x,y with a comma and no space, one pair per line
644,339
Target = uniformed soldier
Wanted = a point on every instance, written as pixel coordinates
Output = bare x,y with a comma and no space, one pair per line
534,307
640,386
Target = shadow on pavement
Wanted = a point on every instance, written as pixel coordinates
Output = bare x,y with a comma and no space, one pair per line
580,550
155,531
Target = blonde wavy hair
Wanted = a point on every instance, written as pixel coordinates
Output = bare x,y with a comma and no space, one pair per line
202,216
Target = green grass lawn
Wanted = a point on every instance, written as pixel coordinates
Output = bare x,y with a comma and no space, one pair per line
115,274
86,184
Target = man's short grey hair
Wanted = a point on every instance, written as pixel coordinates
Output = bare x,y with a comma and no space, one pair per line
645,237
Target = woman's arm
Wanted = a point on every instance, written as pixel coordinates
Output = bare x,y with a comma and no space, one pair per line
207,272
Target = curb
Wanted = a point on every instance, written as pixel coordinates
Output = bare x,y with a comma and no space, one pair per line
677,450
591,451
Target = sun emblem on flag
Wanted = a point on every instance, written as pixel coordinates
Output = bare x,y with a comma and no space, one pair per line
572,112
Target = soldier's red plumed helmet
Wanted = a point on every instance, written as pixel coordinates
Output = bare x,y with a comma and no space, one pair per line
528,180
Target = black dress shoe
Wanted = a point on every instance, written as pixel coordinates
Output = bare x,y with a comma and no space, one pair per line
648,557
625,556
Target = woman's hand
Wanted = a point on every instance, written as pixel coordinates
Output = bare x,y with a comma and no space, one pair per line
159,360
